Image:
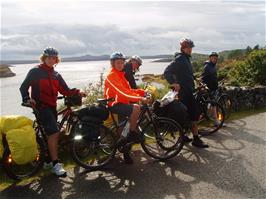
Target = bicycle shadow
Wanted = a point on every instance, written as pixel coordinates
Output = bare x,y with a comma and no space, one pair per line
45,187
145,179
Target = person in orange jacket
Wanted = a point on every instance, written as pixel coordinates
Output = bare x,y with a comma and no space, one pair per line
125,104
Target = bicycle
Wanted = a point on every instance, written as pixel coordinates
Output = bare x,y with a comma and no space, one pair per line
223,99
18,172
162,138
208,122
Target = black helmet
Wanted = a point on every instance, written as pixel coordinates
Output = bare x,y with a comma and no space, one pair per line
215,54
49,51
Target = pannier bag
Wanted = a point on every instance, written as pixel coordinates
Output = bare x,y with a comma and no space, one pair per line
20,136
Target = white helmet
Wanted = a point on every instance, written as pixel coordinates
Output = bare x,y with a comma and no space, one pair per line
136,58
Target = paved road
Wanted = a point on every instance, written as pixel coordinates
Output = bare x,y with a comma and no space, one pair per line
233,167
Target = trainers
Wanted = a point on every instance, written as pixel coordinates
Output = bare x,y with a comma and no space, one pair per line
186,139
127,157
197,142
58,170
122,141
48,165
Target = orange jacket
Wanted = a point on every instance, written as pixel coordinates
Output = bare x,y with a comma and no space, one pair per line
116,86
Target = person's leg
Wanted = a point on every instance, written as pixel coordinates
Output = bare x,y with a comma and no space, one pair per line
52,141
49,122
194,114
134,117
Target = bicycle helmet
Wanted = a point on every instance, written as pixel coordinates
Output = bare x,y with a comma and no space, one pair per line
117,55
186,43
50,51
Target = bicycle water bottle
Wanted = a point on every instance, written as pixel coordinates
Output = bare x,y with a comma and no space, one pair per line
125,130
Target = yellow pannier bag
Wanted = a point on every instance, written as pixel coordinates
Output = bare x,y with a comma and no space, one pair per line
10,122
109,122
22,144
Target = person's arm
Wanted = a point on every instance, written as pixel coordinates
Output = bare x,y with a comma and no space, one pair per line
121,90
140,92
64,89
24,88
205,74
129,75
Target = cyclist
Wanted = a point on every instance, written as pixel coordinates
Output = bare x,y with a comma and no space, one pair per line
131,67
180,75
45,83
209,77
116,86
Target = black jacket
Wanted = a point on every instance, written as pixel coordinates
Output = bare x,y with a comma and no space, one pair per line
130,75
209,75
180,71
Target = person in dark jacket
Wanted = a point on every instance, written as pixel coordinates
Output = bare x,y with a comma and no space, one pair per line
209,75
179,75
45,83
131,67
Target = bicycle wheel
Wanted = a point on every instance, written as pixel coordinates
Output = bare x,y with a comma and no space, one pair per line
18,172
92,154
226,102
212,118
163,138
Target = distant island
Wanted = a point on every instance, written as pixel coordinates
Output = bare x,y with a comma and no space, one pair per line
5,71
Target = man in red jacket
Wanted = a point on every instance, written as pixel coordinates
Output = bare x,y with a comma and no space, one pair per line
116,86
45,83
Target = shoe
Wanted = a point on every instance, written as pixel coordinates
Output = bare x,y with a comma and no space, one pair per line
58,170
186,139
127,157
122,141
197,142
48,165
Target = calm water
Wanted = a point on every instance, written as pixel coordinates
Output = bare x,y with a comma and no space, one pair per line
76,74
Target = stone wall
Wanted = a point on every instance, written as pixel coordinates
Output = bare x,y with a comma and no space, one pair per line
247,97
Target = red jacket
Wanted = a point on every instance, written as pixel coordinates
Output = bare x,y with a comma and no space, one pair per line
116,86
45,83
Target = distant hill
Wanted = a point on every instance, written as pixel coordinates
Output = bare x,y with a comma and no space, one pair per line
195,57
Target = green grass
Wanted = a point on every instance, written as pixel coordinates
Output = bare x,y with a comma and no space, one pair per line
5,182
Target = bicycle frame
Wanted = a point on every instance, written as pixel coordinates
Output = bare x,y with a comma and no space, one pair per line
145,113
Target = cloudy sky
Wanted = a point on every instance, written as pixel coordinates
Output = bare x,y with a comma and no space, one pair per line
79,27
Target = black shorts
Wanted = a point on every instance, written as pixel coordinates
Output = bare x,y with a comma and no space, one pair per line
188,99
123,110
48,117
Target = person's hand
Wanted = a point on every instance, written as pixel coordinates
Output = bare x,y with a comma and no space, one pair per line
145,100
31,101
82,94
176,87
